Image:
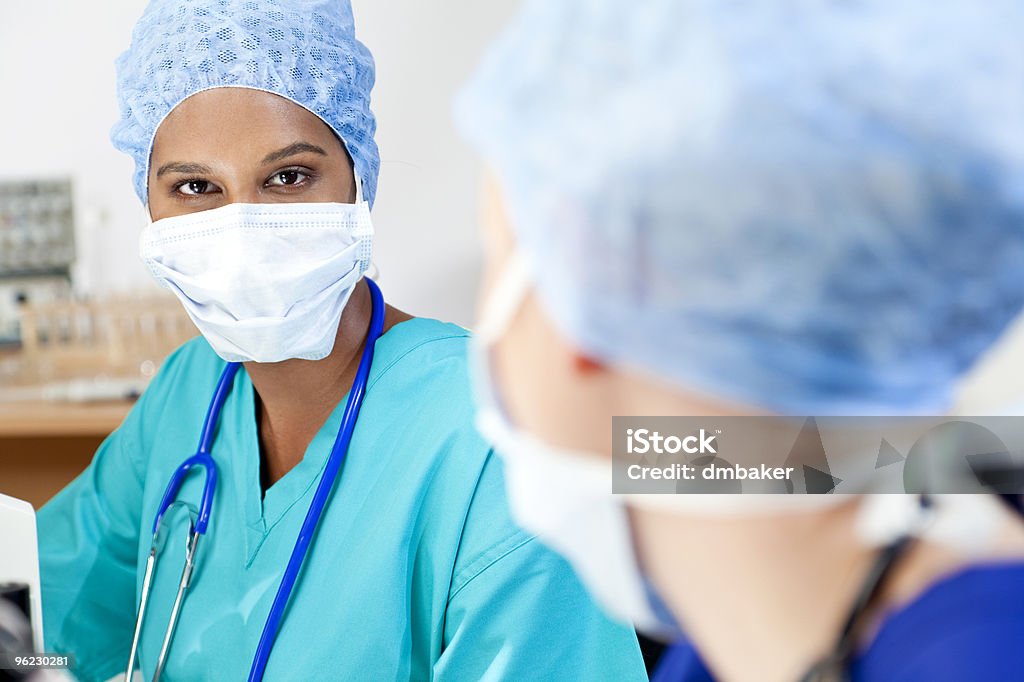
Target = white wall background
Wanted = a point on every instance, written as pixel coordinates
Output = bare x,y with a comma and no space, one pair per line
57,79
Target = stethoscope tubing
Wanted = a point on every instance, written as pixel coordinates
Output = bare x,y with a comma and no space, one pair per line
202,457
323,490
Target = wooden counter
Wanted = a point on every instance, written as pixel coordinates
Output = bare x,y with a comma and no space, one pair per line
43,446
38,420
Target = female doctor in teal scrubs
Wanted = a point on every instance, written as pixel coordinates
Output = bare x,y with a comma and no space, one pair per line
250,128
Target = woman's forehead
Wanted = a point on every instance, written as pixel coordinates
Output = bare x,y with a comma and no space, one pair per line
244,118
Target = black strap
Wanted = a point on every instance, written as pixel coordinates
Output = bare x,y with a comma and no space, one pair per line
835,666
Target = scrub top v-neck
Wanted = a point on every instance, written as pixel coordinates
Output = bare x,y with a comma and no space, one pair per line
262,510
416,572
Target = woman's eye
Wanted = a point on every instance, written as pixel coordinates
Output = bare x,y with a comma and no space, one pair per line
194,187
287,178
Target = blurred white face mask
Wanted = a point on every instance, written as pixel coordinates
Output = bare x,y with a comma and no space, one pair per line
264,282
561,496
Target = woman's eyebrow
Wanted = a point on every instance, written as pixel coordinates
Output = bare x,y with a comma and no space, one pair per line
178,167
291,150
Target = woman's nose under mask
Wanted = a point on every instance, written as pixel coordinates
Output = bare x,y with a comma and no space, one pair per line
264,282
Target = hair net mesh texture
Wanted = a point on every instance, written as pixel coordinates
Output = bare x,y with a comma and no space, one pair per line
812,206
304,50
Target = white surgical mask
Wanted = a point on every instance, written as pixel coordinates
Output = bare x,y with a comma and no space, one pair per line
264,282
561,496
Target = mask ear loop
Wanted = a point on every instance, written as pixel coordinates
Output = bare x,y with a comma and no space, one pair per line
373,272
359,188
499,307
505,299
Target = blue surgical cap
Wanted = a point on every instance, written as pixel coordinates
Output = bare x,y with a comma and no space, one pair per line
303,50
810,206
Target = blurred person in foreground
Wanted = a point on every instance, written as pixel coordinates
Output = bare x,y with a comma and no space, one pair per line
803,207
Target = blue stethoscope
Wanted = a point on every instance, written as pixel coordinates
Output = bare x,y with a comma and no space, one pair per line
201,520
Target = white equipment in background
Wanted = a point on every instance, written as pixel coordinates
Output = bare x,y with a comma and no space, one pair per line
19,560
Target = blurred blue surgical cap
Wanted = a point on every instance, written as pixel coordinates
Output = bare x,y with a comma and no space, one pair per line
810,206
303,50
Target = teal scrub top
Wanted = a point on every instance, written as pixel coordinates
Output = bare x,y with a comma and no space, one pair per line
416,572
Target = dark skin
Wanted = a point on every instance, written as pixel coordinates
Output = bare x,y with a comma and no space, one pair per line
237,145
